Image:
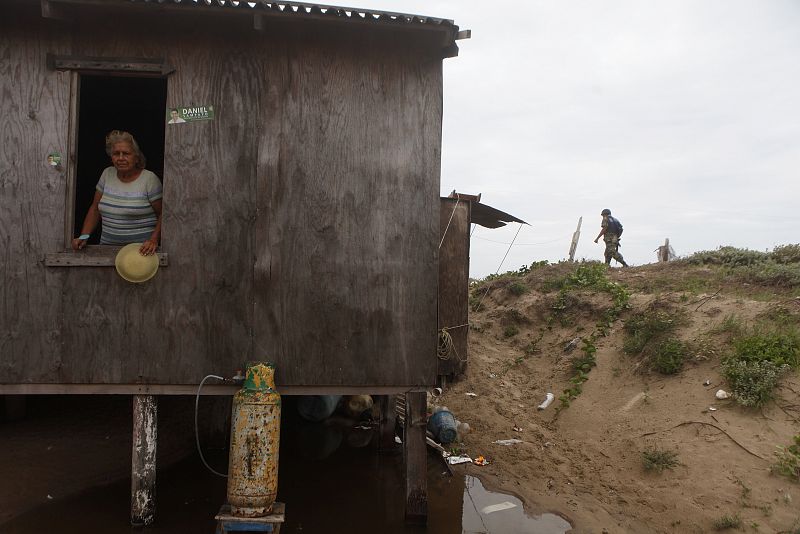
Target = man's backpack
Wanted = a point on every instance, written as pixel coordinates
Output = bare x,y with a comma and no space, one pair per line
614,226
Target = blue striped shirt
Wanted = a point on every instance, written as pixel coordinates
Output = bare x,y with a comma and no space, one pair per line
126,208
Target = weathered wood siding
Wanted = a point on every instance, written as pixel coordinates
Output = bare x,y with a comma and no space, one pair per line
300,224
454,282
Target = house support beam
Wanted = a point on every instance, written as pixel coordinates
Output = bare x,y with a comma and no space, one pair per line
143,460
415,456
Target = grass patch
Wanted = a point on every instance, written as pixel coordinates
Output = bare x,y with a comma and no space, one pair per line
752,383
758,361
510,331
788,463
669,356
646,329
655,459
727,521
779,268
517,288
730,324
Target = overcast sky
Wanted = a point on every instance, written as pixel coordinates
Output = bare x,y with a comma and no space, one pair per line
681,116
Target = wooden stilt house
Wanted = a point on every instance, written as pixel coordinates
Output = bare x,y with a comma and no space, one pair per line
301,196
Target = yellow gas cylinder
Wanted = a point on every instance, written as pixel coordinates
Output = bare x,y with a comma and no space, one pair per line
255,436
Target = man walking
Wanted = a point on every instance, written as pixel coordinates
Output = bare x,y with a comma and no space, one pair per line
610,231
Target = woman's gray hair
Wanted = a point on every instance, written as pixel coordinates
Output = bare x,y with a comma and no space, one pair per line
119,136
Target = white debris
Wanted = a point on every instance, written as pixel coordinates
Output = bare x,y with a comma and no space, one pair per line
722,394
471,394
507,442
455,460
707,382
547,400
712,409
497,507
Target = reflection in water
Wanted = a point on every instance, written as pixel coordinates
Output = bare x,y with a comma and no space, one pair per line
499,513
331,483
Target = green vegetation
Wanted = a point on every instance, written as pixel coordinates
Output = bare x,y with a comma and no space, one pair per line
510,331
731,324
586,276
727,521
779,268
788,463
651,326
758,360
518,288
581,365
669,356
655,459
650,334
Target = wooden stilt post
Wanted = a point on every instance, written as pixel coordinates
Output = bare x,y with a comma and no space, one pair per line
386,426
143,460
574,245
416,459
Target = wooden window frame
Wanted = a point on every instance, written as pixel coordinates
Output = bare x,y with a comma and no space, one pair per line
92,255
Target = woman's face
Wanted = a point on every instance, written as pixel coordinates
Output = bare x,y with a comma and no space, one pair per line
122,157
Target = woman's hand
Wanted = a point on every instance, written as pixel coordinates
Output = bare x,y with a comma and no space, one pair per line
78,243
148,247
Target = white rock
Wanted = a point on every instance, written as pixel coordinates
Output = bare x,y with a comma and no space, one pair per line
722,394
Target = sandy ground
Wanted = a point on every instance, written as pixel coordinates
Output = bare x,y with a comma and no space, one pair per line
584,462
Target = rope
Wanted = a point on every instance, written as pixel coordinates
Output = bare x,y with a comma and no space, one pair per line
445,346
458,199
488,286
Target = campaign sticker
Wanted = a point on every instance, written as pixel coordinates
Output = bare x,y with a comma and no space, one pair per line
183,114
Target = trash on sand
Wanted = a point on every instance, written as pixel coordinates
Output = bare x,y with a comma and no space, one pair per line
480,460
497,507
455,460
492,375
722,394
515,428
49,497
572,344
471,394
397,439
507,442
547,400
712,409
436,392
707,382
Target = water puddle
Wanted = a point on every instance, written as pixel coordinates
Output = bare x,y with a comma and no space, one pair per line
331,479
487,512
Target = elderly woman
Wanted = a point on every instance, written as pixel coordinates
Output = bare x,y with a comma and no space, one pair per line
128,199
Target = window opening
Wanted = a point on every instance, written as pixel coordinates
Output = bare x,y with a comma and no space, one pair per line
134,104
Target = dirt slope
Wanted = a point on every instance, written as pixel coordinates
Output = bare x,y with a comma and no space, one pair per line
585,461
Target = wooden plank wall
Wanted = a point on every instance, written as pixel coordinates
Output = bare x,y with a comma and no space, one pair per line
346,272
34,119
300,223
454,283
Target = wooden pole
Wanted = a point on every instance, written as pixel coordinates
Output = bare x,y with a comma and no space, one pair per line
574,245
386,426
143,460
416,459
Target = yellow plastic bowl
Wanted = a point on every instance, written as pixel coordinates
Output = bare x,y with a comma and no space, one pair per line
134,267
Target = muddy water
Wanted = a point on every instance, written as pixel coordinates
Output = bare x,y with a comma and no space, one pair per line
331,480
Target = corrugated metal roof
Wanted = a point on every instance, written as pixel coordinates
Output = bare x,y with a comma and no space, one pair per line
301,8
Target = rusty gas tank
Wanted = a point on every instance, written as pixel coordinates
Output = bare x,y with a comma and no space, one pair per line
255,438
